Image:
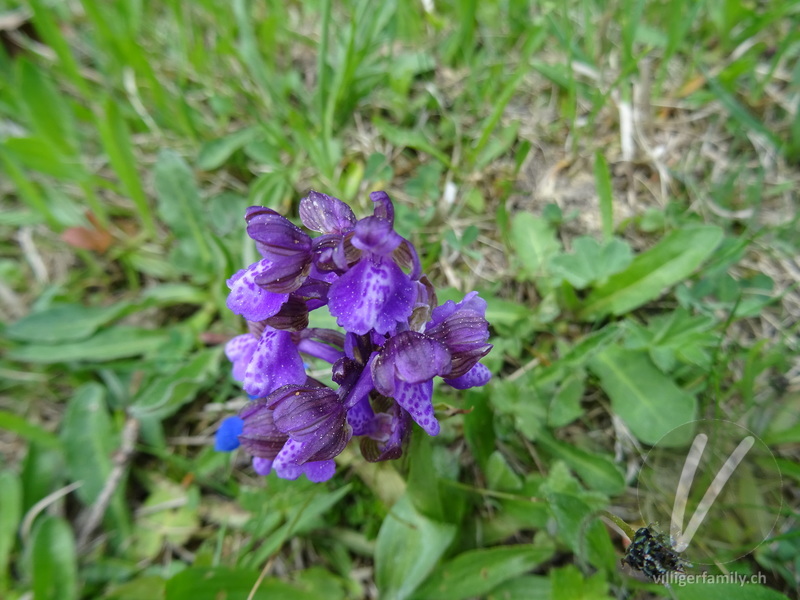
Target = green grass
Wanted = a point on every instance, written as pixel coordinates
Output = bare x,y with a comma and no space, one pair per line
625,179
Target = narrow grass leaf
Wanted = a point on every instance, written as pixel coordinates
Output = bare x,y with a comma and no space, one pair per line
649,402
64,322
50,31
54,562
116,140
670,261
111,344
476,572
213,154
11,501
408,547
605,194
47,109
26,189
179,201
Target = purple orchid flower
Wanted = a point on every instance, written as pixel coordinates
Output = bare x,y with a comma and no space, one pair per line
396,340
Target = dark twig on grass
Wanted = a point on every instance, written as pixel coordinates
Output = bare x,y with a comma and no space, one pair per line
95,513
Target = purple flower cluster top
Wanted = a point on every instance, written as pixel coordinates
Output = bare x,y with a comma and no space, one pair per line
395,341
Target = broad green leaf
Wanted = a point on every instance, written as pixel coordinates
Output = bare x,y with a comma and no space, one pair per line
89,440
29,431
111,344
500,475
213,154
568,583
475,572
89,443
670,261
10,515
164,396
479,425
42,472
527,587
408,548
54,567
534,243
708,590
179,201
167,516
64,322
565,406
597,471
590,262
146,586
521,401
225,583
649,402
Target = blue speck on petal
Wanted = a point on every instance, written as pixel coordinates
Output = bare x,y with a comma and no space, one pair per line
227,437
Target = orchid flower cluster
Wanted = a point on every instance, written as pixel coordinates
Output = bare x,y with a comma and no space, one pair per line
395,340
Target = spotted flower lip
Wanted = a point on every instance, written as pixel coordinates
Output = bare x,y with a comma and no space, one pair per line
395,341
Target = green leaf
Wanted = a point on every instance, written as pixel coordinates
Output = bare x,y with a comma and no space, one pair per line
40,155
408,548
89,443
116,140
565,406
64,322
11,501
670,261
164,396
54,567
167,516
649,402
29,431
597,471
179,201
47,108
534,243
476,572
408,138
500,475
605,193
704,590
527,587
590,262
568,583
111,344
213,154
225,583
88,440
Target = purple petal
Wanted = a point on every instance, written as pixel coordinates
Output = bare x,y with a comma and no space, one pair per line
470,302
374,294
383,207
239,351
477,376
227,436
262,466
275,363
409,357
319,470
259,435
361,417
248,299
416,399
326,214
376,235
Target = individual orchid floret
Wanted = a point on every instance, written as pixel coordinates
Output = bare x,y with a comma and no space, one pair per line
275,362
375,294
326,214
284,245
464,331
248,299
314,418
